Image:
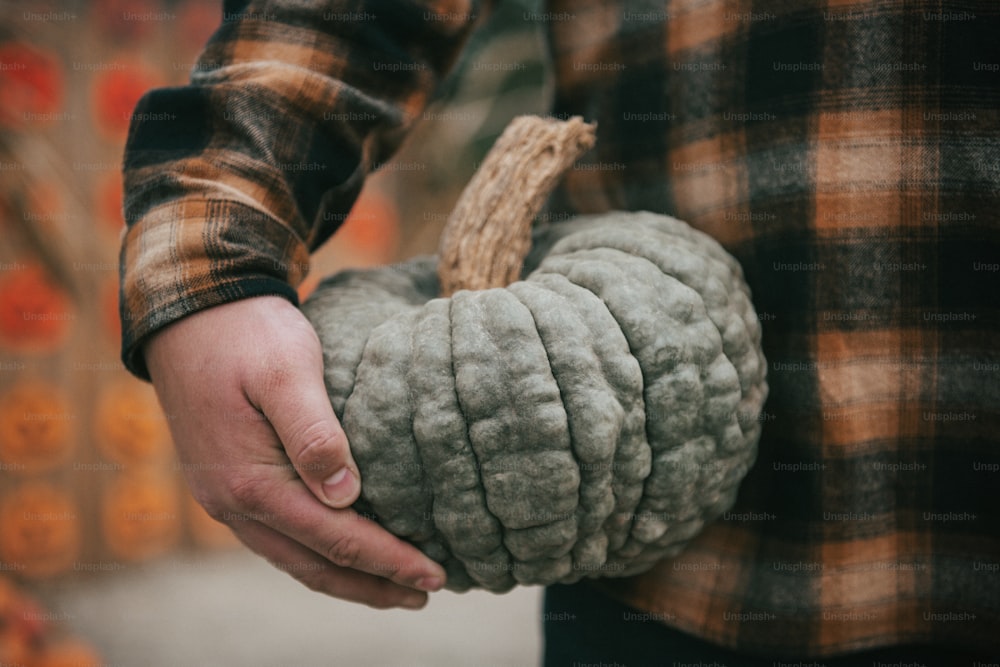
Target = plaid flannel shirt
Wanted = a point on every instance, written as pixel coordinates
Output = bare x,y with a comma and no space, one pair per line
847,154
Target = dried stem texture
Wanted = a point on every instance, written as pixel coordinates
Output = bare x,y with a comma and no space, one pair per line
488,233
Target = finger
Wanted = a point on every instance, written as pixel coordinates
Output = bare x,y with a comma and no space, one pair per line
322,576
301,415
343,537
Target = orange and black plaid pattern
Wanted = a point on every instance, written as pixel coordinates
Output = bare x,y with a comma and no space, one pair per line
848,154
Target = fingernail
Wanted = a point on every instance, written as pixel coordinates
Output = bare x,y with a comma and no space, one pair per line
430,584
340,487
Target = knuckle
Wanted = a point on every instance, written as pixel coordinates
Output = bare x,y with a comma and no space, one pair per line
320,451
344,551
248,493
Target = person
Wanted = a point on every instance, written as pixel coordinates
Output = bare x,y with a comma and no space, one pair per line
847,155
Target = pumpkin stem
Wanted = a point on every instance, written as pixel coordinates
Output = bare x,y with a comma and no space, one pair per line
488,234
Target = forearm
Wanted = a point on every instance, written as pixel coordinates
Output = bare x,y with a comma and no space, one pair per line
232,180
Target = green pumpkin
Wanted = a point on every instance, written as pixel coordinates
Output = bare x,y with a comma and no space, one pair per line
586,421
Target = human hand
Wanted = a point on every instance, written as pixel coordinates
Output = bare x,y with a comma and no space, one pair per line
263,452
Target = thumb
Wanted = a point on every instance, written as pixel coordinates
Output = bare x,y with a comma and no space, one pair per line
300,413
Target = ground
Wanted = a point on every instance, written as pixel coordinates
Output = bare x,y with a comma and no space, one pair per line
234,609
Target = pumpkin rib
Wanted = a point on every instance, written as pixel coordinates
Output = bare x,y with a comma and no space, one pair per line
741,397
700,281
517,425
419,463
518,291
655,285
485,566
591,307
556,531
720,439
432,435
717,262
576,267
382,415
580,389
656,435
745,378
435,545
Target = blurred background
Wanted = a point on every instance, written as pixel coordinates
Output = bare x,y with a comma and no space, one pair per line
104,557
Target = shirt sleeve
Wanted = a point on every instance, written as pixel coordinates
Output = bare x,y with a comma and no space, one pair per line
231,180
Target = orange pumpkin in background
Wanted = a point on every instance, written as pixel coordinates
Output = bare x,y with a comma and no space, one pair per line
21,629
69,653
26,635
14,650
115,93
140,516
129,425
39,530
35,314
31,85
36,427
371,229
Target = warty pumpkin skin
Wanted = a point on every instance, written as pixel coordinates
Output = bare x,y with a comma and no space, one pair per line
585,421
